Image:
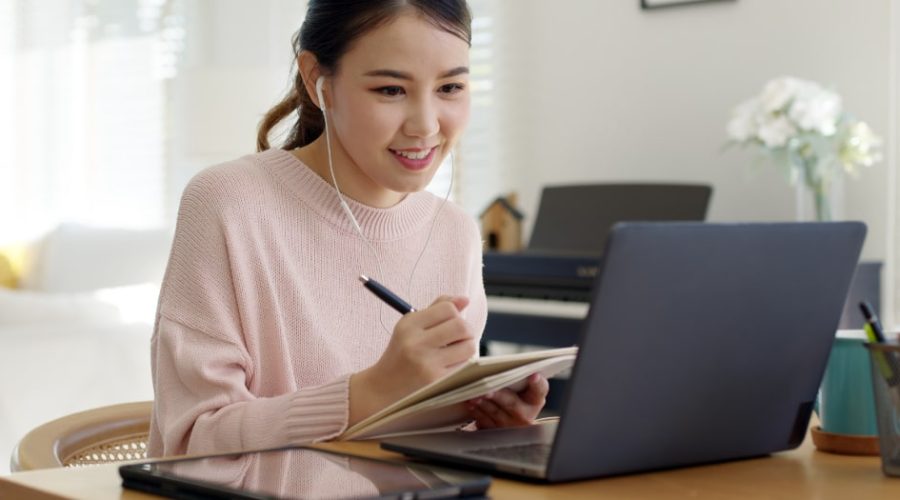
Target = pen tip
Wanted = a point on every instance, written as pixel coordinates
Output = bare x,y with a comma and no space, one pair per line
866,309
363,278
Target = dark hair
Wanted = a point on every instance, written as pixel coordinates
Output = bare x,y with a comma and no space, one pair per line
328,30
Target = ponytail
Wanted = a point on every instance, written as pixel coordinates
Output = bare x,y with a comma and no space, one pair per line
306,129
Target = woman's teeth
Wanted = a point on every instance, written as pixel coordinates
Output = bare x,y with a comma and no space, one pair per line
414,155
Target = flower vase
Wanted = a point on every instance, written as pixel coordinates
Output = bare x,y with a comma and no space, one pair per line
817,201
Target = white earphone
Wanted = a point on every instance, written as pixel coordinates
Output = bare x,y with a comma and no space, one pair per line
320,82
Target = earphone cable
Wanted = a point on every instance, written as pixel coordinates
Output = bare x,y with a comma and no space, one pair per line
349,212
433,223
356,225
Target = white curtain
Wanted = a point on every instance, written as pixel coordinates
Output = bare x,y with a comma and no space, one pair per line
83,123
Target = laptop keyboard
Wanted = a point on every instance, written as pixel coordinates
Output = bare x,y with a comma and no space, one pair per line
533,453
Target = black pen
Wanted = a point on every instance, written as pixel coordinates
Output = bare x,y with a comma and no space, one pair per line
888,365
386,295
877,334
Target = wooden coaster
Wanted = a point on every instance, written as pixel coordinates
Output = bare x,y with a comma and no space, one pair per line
844,444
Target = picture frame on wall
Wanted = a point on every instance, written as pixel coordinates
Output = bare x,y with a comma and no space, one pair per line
660,4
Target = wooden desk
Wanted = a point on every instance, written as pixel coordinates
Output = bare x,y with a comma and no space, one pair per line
801,473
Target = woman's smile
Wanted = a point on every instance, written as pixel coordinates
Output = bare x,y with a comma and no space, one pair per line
414,159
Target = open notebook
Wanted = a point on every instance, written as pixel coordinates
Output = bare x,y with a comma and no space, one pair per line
441,404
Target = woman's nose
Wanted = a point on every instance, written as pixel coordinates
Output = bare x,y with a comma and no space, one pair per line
422,120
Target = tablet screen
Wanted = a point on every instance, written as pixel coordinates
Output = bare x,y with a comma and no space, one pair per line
299,473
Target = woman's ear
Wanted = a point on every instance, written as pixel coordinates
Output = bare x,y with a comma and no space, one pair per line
308,66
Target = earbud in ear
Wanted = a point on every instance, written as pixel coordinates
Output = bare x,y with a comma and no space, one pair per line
319,83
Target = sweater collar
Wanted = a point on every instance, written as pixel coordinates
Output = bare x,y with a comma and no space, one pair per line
413,212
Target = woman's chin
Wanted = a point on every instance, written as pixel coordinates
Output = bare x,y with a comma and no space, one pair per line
411,182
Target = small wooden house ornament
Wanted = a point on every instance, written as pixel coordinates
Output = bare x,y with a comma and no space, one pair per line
501,225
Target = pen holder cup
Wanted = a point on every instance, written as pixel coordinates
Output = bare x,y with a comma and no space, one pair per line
885,364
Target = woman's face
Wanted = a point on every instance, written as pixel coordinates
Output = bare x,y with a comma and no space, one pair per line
397,104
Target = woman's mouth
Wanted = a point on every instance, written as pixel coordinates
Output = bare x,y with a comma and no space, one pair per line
414,159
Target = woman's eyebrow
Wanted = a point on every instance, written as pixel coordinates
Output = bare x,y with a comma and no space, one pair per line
400,75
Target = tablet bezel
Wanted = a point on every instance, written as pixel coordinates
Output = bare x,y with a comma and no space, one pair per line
146,477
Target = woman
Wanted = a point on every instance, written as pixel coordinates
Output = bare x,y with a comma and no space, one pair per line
264,336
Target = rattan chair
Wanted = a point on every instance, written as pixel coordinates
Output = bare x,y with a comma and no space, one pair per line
108,434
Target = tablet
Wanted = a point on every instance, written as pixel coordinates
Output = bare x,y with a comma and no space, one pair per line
299,473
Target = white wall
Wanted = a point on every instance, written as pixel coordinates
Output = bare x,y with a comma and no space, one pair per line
608,91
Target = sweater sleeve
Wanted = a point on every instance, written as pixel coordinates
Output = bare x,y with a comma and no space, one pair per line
202,366
203,405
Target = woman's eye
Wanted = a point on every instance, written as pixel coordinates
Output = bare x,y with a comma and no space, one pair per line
390,91
452,88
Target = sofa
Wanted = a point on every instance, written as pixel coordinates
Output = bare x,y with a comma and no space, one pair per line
75,331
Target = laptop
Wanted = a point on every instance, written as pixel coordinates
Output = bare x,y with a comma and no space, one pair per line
703,343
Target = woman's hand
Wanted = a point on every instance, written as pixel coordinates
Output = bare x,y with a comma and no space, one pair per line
425,345
505,408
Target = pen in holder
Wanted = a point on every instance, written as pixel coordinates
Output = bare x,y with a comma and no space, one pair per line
885,364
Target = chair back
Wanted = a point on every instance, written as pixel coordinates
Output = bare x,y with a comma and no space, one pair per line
107,434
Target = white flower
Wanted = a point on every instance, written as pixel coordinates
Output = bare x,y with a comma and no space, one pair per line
776,131
802,126
862,147
816,109
743,123
778,92
803,123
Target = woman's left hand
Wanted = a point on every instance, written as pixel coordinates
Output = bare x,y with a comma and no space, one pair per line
505,408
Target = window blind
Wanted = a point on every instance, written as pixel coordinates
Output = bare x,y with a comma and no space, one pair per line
475,179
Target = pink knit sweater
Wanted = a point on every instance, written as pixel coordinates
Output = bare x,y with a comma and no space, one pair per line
261,317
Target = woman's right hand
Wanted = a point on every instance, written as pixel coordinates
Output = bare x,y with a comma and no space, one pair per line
425,345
